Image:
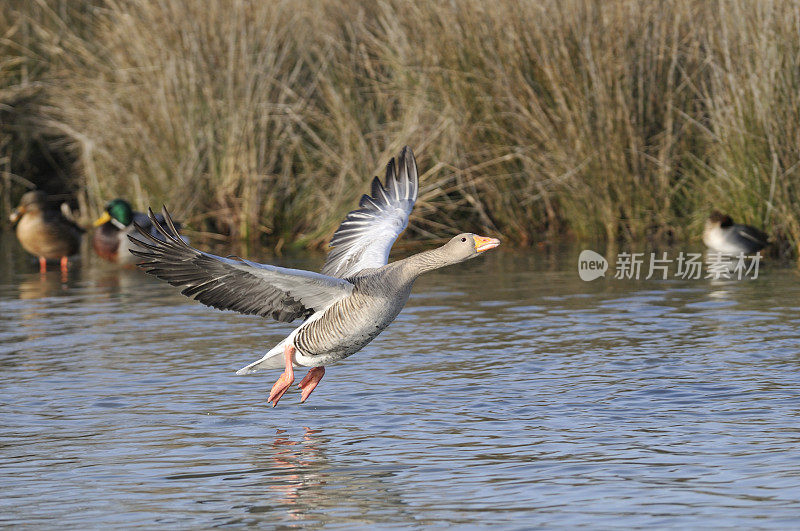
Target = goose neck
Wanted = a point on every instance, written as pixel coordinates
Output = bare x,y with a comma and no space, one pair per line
420,263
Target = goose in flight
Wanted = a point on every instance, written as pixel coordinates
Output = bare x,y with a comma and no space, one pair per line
356,296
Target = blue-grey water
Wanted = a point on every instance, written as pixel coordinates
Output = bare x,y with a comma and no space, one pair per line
508,393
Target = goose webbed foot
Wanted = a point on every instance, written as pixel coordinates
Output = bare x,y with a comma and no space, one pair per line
286,379
309,383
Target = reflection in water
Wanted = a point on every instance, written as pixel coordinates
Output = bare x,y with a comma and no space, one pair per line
304,485
39,286
539,400
301,461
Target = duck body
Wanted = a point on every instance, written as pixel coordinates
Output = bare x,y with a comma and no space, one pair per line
43,230
106,243
722,235
49,235
355,297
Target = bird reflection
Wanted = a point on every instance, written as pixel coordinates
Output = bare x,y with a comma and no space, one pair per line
301,460
312,488
48,299
39,286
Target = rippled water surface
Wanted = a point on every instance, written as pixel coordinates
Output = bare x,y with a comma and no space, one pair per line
507,393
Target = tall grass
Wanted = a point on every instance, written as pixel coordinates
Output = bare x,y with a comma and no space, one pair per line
535,120
31,153
753,102
19,98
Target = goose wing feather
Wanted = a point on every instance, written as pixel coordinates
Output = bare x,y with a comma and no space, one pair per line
143,220
234,283
367,234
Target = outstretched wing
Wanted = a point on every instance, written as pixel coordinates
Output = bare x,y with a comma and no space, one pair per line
367,234
234,283
143,220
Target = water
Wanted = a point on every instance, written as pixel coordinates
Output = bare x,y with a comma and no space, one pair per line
508,393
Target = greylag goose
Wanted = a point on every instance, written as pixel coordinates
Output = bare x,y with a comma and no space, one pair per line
724,236
43,230
356,296
110,238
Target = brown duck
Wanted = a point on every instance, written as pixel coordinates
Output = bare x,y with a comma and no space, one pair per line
44,232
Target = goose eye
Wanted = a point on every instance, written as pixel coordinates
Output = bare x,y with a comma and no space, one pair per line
463,239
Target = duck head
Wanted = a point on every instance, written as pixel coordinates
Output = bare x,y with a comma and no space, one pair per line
716,221
118,212
716,226
30,203
718,218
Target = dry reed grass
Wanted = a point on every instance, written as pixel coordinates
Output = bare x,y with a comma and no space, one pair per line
536,120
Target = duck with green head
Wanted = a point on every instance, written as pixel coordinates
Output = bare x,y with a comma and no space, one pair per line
110,239
43,230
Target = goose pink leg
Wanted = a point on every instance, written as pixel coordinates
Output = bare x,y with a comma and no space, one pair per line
42,264
286,379
309,383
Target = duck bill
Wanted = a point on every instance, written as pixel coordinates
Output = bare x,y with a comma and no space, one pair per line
482,243
16,214
105,218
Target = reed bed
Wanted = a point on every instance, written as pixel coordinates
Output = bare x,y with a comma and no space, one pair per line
537,121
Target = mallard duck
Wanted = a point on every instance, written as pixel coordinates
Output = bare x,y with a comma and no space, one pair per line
344,307
43,230
724,236
110,238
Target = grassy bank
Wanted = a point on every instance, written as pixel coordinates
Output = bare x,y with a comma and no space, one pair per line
534,120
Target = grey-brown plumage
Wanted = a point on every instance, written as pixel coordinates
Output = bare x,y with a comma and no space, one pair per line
367,234
355,297
43,230
234,283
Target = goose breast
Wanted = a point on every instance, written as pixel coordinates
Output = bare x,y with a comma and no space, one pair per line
349,324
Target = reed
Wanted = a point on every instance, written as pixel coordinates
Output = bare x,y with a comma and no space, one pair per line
752,100
537,121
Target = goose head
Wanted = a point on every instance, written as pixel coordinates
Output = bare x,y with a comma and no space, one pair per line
466,246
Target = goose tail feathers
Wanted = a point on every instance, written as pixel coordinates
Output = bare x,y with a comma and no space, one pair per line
271,360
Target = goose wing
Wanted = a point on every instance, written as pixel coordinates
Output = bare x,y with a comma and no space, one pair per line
143,220
234,283
367,234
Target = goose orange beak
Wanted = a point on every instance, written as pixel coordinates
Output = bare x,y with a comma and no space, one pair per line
482,243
